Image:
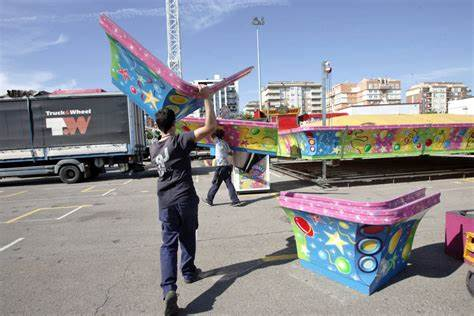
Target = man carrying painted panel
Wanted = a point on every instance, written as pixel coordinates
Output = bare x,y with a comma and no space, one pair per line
223,172
177,198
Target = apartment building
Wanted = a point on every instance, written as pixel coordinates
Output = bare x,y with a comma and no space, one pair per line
250,107
342,96
365,92
434,96
226,100
304,95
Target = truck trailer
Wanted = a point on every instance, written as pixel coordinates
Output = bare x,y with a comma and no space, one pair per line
74,136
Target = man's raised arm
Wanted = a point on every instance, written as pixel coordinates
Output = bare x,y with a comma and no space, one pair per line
210,122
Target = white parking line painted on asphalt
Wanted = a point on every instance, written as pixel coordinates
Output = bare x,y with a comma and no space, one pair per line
111,190
274,174
93,189
457,189
11,244
127,182
71,212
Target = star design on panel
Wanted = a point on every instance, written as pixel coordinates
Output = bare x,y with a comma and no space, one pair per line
124,74
335,240
150,98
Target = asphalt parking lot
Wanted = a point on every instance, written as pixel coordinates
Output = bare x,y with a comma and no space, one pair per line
93,248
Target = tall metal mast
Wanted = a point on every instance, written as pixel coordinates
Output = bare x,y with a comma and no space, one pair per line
174,36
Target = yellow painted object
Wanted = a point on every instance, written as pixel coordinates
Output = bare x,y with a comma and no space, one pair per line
394,119
469,248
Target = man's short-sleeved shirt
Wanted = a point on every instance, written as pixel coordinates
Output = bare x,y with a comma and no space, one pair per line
222,153
171,157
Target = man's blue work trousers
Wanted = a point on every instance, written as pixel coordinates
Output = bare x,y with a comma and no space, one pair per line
179,222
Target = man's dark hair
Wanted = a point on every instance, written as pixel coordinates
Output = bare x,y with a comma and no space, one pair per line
165,119
219,133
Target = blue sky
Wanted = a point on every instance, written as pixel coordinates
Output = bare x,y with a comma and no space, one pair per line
49,44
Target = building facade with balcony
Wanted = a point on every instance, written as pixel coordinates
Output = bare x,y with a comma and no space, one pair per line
250,107
434,96
304,95
226,100
365,92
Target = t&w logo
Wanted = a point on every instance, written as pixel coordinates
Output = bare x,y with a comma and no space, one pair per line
65,126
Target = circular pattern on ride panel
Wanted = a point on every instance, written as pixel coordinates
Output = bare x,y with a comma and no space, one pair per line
367,264
178,99
369,246
371,229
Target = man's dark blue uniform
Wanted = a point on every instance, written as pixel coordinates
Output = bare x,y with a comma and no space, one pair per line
177,198
178,207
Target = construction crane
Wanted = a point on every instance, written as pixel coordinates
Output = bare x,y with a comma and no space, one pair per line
174,36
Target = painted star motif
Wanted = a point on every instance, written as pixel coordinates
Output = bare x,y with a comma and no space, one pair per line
150,98
335,240
124,74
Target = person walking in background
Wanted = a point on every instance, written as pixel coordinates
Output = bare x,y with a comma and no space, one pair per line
223,172
177,198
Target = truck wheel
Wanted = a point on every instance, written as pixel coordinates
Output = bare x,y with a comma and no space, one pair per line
70,174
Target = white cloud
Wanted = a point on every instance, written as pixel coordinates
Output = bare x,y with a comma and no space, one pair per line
436,75
34,80
36,45
125,13
198,14
201,14
13,47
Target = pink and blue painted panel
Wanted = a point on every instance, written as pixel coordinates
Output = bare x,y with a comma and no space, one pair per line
241,135
356,253
147,81
375,141
144,87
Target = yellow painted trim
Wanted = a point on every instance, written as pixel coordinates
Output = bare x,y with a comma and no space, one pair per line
469,247
13,220
88,189
13,194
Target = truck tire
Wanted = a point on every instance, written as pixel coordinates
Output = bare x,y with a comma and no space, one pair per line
70,174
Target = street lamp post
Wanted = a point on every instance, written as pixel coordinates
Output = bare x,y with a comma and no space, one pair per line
258,22
325,71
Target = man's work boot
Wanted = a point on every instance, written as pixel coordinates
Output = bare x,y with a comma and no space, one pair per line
171,304
193,277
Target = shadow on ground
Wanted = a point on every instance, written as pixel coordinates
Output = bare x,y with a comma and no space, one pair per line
202,170
290,185
205,301
428,261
